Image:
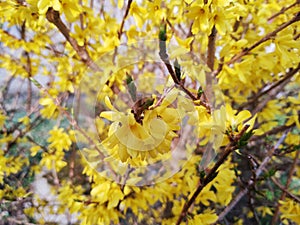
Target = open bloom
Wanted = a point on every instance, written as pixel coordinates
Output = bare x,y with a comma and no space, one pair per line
128,139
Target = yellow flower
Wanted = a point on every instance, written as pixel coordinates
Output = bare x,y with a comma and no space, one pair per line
50,108
138,13
129,139
59,140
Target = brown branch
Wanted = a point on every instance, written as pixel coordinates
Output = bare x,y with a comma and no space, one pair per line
289,194
27,68
211,49
233,145
250,183
124,18
165,58
54,17
283,194
296,36
210,61
275,130
267,37
283,10
172,28
72,121
287,76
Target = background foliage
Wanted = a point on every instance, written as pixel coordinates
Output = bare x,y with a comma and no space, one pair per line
250,47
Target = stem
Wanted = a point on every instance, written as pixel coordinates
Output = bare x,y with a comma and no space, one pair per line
267,37
283,10
283,194
54,17
211,49
289,194
258,172
165,58
212,173
124,18
287,77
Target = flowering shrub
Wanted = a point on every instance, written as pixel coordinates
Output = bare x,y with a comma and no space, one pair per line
149,112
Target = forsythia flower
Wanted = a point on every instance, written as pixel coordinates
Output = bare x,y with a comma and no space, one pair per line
290,210
59,140
129,139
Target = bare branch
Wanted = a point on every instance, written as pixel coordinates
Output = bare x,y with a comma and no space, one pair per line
289,194
288,182
258,172
285,79
211,49
267,37
212,173
124,18
283,10
54,17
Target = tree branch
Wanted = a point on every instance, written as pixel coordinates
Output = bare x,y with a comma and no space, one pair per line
288,182
233,145
267,37
258,172
283,10
287,76
124,18
54,17
211,49
289,194
165,58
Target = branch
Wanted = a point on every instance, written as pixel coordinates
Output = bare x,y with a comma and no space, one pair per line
287,76
288,182
275,130
283,10
289,194
258,172
54,17
124,18
267,37
211,48
233,145
71,120
165,58
273,93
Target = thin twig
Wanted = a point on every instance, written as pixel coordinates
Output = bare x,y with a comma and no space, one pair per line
275,130
124,18
72,121
283,10
286,77
27,68
211,49
267,37
288,182
233,145
289,194
120,31
53,16
258,172
178,83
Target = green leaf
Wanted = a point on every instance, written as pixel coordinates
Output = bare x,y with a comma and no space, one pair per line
245,138
177,69
131,87
163,32
199,92
147,103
